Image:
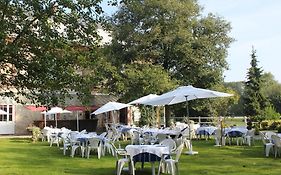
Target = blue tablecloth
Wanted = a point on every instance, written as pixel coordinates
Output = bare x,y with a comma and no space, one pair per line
146,157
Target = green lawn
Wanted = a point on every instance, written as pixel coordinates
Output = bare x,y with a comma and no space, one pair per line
21,157
238,121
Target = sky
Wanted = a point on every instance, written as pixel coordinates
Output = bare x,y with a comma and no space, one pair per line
255,23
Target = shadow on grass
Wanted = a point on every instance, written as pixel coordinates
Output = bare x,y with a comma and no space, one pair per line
20,140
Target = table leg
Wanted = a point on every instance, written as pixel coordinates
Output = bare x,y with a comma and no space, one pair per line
153,168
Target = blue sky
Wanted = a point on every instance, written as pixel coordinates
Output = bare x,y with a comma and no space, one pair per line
254,23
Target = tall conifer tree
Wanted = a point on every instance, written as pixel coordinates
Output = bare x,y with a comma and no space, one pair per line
254,100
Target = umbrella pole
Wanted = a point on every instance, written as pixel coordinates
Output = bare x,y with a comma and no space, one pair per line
77,121
164,119
190,152
56,118
45,119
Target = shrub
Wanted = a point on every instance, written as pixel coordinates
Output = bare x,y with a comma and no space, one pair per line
36,132
271,114
264,125
274,125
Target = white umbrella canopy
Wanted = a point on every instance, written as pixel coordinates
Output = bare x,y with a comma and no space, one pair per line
185,93
57,110
110,106
144,99
2,112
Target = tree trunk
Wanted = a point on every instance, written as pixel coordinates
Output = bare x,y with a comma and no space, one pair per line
167,115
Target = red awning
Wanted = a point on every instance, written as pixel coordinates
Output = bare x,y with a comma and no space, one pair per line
36,108
80,108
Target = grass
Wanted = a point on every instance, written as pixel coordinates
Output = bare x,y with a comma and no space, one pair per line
238,121
20,156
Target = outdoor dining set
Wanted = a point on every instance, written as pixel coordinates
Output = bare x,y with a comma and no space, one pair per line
146,144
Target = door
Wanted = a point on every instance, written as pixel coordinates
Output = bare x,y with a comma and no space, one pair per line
7,123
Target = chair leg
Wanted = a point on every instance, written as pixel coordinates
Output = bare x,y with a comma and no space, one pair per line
64,150
159,167
120,167
116,167
88,152
82,151
99,152
73,148
267,150
177,168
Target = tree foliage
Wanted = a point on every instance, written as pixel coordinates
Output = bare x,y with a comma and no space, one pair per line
271,89
174,35
255,101
172,39
237,109
137,80
43,45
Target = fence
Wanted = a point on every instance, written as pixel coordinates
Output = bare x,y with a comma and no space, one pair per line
89,124
200,120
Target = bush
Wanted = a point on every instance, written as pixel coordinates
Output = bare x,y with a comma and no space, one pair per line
274,125
264,125
36,132
270,124
271,114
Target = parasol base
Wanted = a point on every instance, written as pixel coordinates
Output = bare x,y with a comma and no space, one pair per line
191,152
217,145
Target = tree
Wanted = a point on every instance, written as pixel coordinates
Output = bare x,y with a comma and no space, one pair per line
174,35
137,80
44,45
255,101
237,109
271,89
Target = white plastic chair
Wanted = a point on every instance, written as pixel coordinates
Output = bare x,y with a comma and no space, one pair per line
135,138
120,162
219,139
268,145
65,142
170,143
54,139
185,138
249,137
277,145
171,164
160,137
94,144
75,144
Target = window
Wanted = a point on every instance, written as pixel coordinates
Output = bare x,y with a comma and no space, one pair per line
9,115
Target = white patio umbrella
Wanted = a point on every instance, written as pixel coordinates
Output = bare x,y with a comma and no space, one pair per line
184,94
110,106
144,99
57,110
2,112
